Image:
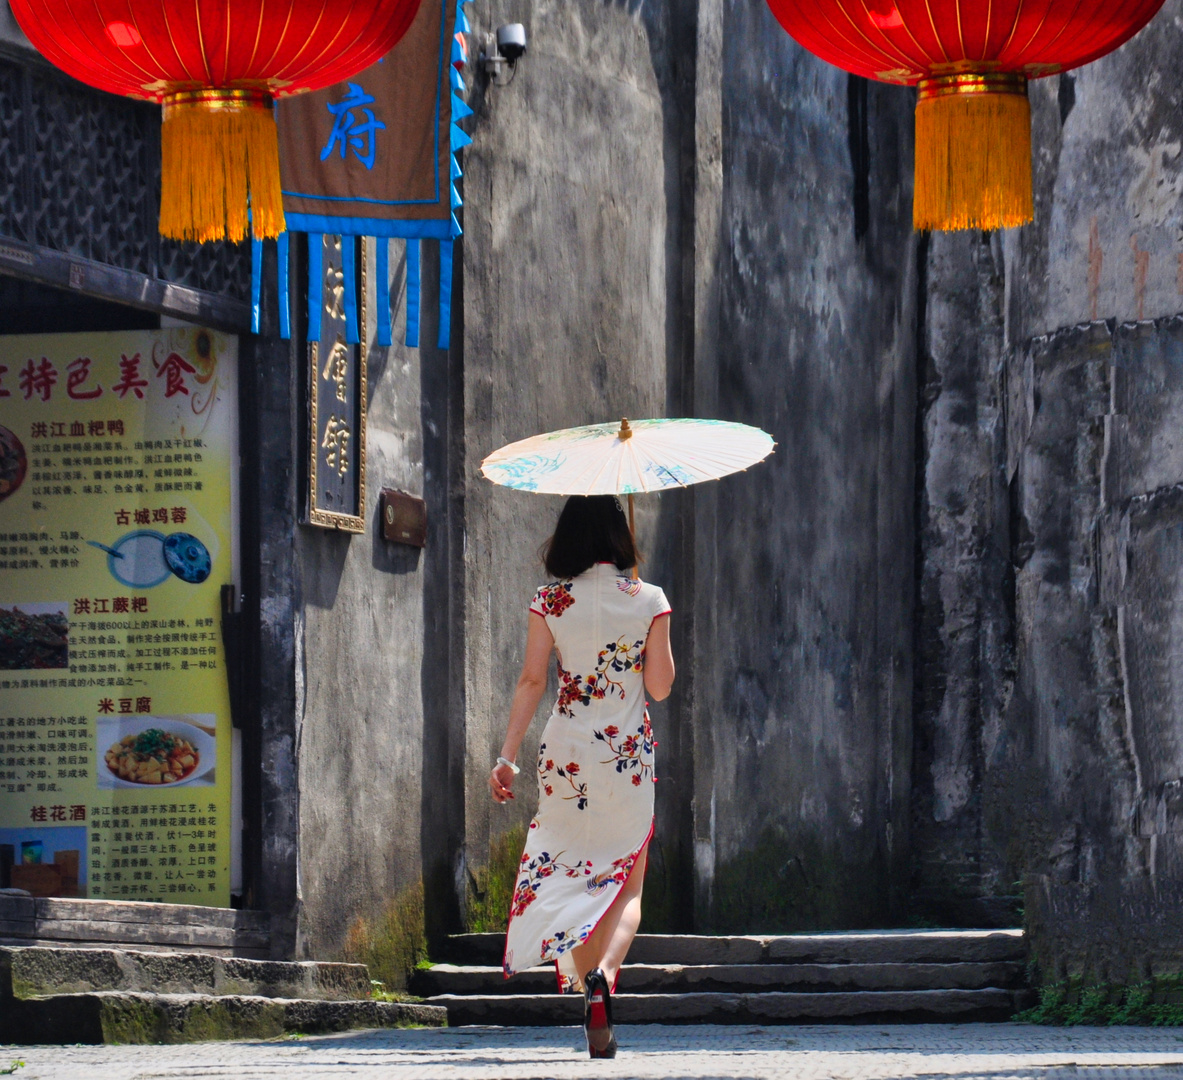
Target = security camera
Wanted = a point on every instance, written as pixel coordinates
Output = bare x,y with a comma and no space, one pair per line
503,50
511,41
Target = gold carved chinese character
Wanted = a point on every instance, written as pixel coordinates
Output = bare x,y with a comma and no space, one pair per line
335,284
336,442
336,367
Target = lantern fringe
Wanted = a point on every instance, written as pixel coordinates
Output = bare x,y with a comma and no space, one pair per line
211,160
973,162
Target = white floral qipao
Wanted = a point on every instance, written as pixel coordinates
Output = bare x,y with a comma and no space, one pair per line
595,768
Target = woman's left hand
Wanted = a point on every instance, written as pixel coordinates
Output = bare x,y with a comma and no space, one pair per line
501,783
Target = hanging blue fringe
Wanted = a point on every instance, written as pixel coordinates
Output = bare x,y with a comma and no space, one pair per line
315,277
458,140
413,278
382,269
349,280
445,338
282,249
256,282
459,109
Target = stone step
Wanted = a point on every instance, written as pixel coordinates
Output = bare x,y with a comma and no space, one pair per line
862,1007
179,1018
30,972
846,947
27,920
730,978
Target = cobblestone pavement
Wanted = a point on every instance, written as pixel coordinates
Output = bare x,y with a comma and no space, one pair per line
993,1051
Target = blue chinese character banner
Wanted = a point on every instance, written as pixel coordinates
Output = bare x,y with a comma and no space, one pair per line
376,156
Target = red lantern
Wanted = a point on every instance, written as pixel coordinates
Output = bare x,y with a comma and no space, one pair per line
216,67
971,60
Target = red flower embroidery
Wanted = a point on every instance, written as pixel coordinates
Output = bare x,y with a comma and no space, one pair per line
546,766
554,599
634,752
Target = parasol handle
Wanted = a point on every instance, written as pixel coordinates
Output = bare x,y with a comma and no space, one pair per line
626,432
632,527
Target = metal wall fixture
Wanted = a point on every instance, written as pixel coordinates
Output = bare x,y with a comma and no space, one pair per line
503,50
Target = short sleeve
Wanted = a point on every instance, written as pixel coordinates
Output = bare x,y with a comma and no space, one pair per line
661,606
552,600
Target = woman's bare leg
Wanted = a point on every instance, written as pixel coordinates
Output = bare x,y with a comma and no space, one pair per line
609,943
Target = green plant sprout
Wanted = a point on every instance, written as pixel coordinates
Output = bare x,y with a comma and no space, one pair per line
1156,1003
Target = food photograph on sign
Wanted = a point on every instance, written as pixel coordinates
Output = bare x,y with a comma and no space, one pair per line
14,462
156,751
34,636
46,860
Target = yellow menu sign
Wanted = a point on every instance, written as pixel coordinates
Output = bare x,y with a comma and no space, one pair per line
117,460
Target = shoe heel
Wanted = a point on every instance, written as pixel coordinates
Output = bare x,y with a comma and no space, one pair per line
597,1016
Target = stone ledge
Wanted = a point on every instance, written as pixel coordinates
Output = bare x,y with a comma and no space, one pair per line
176,1018
38,972
733,978
870,946
897,1007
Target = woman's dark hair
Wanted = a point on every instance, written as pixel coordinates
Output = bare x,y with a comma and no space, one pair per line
591,529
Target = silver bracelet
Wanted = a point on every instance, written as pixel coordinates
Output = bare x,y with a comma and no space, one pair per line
512,767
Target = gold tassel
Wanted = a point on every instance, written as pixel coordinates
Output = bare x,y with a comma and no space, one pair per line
218,147
973,153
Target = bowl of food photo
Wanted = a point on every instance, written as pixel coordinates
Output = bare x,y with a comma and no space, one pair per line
155,752
14,463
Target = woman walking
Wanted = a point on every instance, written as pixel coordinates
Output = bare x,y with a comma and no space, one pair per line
577,899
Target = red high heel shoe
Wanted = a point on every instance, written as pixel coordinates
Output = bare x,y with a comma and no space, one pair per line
597,1015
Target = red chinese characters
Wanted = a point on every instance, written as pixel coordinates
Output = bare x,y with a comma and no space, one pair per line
130,379
161,515
102,605
38,379
77,375
57,813
173,369
126,705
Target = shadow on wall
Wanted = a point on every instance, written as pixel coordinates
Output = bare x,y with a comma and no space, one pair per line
783,884
324,552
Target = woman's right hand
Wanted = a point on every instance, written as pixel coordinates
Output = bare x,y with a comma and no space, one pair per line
501,783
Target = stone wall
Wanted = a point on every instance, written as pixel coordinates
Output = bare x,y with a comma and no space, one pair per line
675,211
1047,726
566,308
351,642
372,678
804,595
1098,739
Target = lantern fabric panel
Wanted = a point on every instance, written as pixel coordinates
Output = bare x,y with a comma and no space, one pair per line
904,41
281,48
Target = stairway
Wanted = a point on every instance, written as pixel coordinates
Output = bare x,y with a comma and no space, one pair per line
92,995
891,976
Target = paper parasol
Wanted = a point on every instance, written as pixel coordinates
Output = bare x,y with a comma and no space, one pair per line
627,459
